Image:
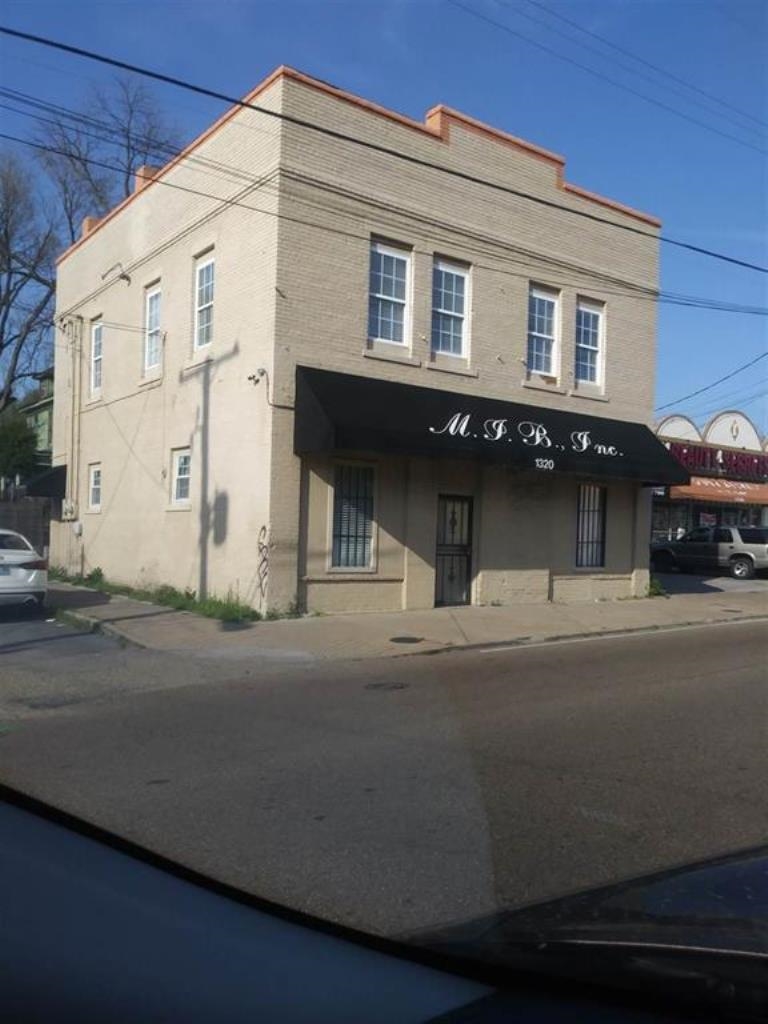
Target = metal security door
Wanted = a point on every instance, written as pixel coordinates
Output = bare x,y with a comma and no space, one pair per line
453,562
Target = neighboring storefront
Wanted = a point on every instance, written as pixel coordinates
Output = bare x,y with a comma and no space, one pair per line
728,463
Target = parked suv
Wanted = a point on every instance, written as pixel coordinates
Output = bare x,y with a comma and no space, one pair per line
741,549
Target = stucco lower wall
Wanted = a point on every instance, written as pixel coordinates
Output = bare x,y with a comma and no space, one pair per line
523,537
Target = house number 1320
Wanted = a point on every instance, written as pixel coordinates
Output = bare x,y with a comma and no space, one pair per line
545,463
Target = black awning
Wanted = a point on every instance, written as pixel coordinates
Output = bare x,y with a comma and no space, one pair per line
338,412
50,484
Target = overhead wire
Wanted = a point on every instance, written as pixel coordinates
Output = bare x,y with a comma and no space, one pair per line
598,74
373,146
708,387
641,60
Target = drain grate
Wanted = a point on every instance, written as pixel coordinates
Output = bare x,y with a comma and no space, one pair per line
406,639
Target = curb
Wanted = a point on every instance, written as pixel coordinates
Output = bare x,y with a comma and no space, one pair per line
92,625
534,641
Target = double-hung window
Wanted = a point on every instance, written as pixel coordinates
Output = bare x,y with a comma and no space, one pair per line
388,294
352,517
542,327
589,333
449,304
94,487
204,285
152,337
181,475
97,330
590,526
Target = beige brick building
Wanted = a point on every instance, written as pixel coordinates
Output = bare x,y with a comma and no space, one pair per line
298,369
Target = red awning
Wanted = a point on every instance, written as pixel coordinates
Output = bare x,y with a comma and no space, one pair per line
739,492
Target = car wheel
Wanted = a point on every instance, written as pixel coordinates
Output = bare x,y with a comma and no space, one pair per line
742,569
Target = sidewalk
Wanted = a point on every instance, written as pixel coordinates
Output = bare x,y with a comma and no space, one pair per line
374,635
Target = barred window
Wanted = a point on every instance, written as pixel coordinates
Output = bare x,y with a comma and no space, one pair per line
352,516
590,526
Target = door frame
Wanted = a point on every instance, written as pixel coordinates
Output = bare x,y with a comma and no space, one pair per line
470,499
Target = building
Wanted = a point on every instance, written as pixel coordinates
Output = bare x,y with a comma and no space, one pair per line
303,370
728,462
38,411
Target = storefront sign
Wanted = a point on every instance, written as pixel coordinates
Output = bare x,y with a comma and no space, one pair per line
344,413
531,433
709,461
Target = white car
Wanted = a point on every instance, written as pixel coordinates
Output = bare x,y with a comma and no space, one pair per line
23,572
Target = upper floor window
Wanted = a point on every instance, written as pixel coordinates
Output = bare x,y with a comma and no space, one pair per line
94,487
449,300
204,280
589,332
542,326
96,357
152,338
388,294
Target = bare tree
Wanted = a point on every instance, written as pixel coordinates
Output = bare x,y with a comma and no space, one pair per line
94,154
28,246
87,166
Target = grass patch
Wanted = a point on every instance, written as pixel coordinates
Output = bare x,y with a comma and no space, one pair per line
655,588
225,609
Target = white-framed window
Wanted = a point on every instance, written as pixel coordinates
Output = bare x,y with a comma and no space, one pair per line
152,335
450,292
388,294
589,341
204,288
352,542
94,487
590,526
97,331
542,331
181,465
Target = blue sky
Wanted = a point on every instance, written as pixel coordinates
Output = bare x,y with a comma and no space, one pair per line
411,54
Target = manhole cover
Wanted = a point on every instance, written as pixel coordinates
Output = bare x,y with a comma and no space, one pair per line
386,686
406,639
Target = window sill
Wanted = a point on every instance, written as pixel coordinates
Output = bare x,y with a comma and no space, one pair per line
179,508
538,384
347,576
198,359
93,400
92,512
390,357
151,382
593,396
459,371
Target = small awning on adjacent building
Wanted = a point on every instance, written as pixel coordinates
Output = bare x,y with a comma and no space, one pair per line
738,492
51,483
338,412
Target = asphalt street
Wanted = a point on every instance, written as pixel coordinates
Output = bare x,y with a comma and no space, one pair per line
406,793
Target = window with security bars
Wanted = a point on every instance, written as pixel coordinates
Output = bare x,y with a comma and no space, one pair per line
449,289
542,312
388,294
588,319
352,517
590,526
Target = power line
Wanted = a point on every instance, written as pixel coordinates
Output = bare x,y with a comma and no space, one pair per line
647,63
598,74
375,147
709,387
557,266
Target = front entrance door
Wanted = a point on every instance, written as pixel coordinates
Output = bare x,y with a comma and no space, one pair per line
453,562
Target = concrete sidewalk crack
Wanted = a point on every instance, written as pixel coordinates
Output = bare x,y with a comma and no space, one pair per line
457,624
